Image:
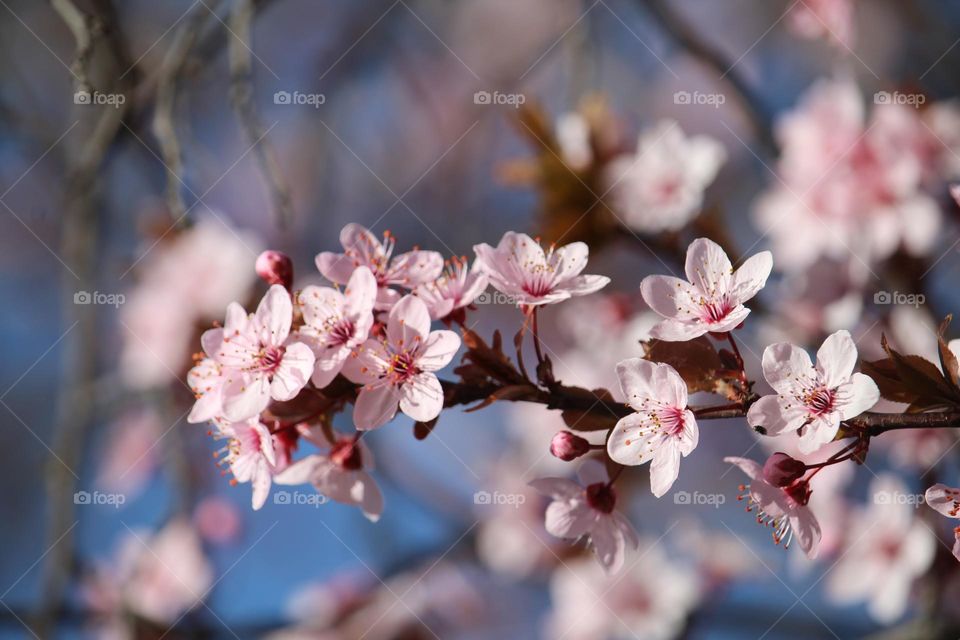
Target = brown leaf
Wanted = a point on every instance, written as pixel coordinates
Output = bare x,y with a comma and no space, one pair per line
884,373
422,429
697,361
920,375
510,392
588,420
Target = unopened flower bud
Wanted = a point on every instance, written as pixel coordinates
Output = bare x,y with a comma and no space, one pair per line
568,446
781,470
275,268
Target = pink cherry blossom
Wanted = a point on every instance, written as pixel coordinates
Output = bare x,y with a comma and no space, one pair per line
519,268
399,367
661,430
887,548
259,362
587,509
812,398
850,183
250,455
455,289
946,500
712,300
340,475
661,187
650,601
783,508
828,19
336,323
361,248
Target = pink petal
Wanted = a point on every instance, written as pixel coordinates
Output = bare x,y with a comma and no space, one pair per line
421,398
568,519
319,304
210,341
274,315
819,432
261,486
836,358
608,543
689,438
627,445
438,350
375,406
246,398
783,364
335,267
369,363
361,293
300,472
415,268
862,392
708,267
677,331
669,297
776,415
359,240
409,322
368,495
294,372
806,530
328,365
751,276
636,381
570,260
749,467
665,468
584,285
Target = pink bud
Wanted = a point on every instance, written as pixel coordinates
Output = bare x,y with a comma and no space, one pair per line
781,470
275,268
568,446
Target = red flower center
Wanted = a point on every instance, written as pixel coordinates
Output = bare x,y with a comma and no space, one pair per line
602,497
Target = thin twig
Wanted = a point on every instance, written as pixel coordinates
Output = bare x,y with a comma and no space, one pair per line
241,96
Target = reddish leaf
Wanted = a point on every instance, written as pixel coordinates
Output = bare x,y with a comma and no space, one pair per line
948,361
697,361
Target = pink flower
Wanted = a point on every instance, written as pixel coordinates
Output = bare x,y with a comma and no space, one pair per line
259,362
361,248
712,300
336,323
455,289
783,508
946,500
661,430
813,398
250,454
661,187
340,476
828,19
587,510
519,268
887,548
650,600
398,368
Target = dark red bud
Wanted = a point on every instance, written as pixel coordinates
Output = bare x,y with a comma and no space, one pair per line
275,268
781,470
568,446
